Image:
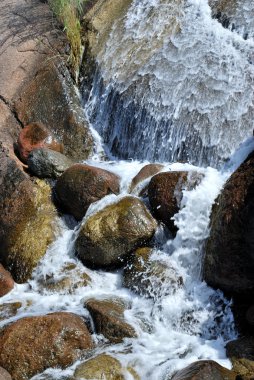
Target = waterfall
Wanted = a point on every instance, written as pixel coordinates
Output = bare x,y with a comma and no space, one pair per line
173,84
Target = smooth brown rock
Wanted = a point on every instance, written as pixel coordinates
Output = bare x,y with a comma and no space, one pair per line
32,344
165,194
204,370
4,375
146,172
104,367
6,281
27,218
108,318
147,277
81,185
241,354
108,236
229,260
33,136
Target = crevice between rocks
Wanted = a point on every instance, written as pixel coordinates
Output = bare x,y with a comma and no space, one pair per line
12,109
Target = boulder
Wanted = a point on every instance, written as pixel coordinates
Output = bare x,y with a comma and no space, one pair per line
165,194
108,318
146,172
147,277
32,344
46,163
8,310
108,236
104,367
229,260
27,218
4,375
241,354
204,370
36,135
81,185
6,281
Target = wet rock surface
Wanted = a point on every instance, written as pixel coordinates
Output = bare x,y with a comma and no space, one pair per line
6,281
108,318
165,194
108,236
146,172
34,136
229,262
241,354
105,367
204,370
147,277
8,310
46,163
81,185
32,344
27,218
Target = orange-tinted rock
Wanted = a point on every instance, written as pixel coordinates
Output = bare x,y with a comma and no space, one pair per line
32,344
204,370
81,185
34,136
6,281
165,194
229,259
146,172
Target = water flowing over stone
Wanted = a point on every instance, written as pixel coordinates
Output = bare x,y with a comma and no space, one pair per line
173,77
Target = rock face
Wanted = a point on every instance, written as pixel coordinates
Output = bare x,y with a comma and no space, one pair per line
146,172
229,261
105,367
81,185
108,318
32,344
147,277
46,163
26,219
205,370
241,354
6,281
165,194
4,375
33,136
108,236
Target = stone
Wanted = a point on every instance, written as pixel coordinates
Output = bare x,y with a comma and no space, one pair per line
204,370
8,310
108,236
146,172
104,367
6,281
4,375
30,345
81,185
241,354
47,163
33,136
149,278
229,261
27,218
165,194
108,318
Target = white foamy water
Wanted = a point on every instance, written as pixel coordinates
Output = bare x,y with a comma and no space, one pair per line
177,80
178,325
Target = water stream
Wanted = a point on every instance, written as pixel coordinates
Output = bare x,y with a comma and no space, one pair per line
171,84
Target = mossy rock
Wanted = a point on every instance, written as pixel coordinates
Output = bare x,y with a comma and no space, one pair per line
104,367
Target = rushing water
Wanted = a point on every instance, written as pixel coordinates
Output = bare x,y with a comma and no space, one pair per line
176,84
173,84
